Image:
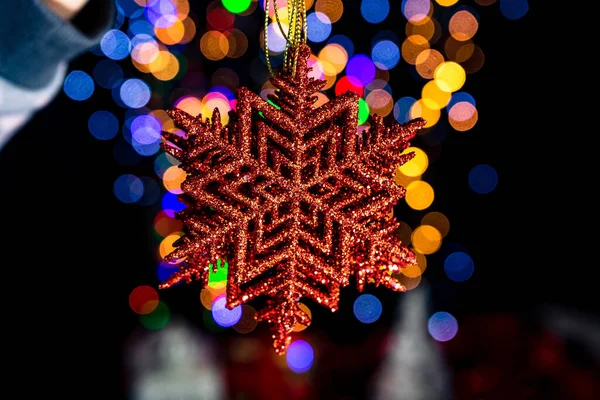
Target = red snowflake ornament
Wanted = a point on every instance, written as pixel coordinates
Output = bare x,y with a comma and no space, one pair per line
292,197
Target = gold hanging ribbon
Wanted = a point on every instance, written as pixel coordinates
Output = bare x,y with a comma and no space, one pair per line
296,35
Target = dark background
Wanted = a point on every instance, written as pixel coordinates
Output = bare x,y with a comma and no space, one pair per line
72,252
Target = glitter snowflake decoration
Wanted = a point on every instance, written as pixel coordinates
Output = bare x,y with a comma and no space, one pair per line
292,197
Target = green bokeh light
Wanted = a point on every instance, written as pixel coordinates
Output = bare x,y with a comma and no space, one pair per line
236,6
157,319
363,111
218,279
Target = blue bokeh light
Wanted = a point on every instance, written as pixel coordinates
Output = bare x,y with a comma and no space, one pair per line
161,13
103,125
127,7
78,85
459,266
128,188
442,326
164,270
360,70
319,27
135,93
222,315
514,9
107,74
299,356
145,149
375,11
483,179
115,44
367,308
140,27
146,129
171,204
385,54
402,109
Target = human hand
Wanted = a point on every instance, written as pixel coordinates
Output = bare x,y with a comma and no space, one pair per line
65,9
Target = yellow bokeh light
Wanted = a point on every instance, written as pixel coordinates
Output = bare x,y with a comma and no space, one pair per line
412,47
417,165
172,34
438,220
190,105
403,180
412,271
430,115
434,97
333,9
425,29
298,327
419,195
169,69
214,45
450,76
166,245
446,3
173,178
426,239
463,25
335,55
427,61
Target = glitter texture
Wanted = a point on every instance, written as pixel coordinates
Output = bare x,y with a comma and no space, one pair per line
292,197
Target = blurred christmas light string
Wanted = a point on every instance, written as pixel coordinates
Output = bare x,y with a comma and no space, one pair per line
297,31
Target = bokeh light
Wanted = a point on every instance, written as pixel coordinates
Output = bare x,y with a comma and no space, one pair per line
78,85
514,9
135,93
483,179
103,125
463,25
416,11
143,299
128,188
236,6
107,74
417,165
450,76
115,44
402,109
157,319
419,195
385,54
438,220
367,308
442,326
360,70
375,11
319,27
459,266
173,178
299,356
224,316
247,322
463,116
426,239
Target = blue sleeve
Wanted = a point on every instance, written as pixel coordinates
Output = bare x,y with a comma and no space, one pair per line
34,41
